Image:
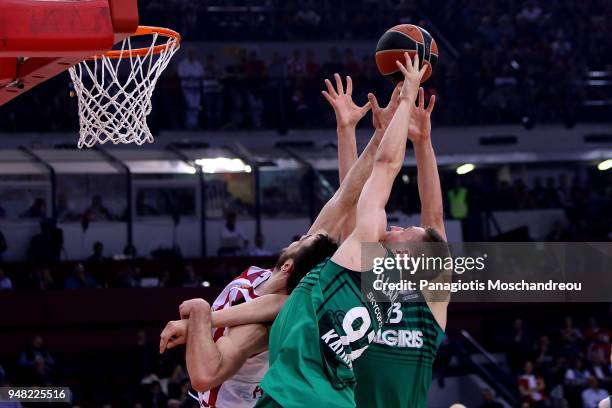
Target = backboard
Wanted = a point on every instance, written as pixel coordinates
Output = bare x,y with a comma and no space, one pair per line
42,38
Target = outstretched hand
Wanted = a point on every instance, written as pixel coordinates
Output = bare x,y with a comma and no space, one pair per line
347,112
420,120
412,77
381,117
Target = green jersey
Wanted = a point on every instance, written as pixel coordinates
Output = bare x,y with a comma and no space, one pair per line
323,328
396,370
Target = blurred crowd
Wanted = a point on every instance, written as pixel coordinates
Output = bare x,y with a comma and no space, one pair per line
276,20
529,57
501,62
163,269
583,199
562,362
559,364
583,202
568,366
139,376
582,216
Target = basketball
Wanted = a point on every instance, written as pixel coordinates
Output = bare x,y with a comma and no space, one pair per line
405,38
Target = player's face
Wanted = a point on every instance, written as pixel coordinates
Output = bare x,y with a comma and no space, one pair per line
410,234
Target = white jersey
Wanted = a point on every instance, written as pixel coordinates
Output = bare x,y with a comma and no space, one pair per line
242,390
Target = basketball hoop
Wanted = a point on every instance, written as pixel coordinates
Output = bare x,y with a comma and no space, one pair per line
113,105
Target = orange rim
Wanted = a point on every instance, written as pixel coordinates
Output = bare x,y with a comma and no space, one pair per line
174,41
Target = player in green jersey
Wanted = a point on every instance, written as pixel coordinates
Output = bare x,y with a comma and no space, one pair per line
327,324
400,359
213,361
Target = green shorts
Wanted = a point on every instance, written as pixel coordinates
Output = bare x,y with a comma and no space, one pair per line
265,401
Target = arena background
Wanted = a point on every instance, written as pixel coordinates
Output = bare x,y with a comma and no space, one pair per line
242,132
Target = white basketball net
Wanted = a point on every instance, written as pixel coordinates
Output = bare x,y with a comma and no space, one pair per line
113,107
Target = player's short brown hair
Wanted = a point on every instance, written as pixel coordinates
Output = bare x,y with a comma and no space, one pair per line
307,257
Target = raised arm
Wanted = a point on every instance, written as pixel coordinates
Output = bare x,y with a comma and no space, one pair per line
336,210
338,215
209,363
430,192
348,115
389,159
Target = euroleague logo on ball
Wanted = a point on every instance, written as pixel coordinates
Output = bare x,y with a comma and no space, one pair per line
405,38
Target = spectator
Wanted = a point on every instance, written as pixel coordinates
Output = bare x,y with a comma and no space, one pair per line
259,249
79,279
489,399
64,209
36,354
543,356
312,65
598,355
176,383
256,108
97,211
46,246
38,209
40,374
212,89
98,253
296,66
458,200
145,358
570,335
537,191
156,397
593,330
46,280
522,197
351,65
129,277
334,64
144,207
5,281
130,252
254,66
190,278
232,238
191,73
551,194
530,12
577,375
40,278
3,245
531,387
277,70
165,281
593,394
307,19
564,192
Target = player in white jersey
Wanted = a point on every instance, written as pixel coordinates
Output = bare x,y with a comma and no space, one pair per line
225,366
242,389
